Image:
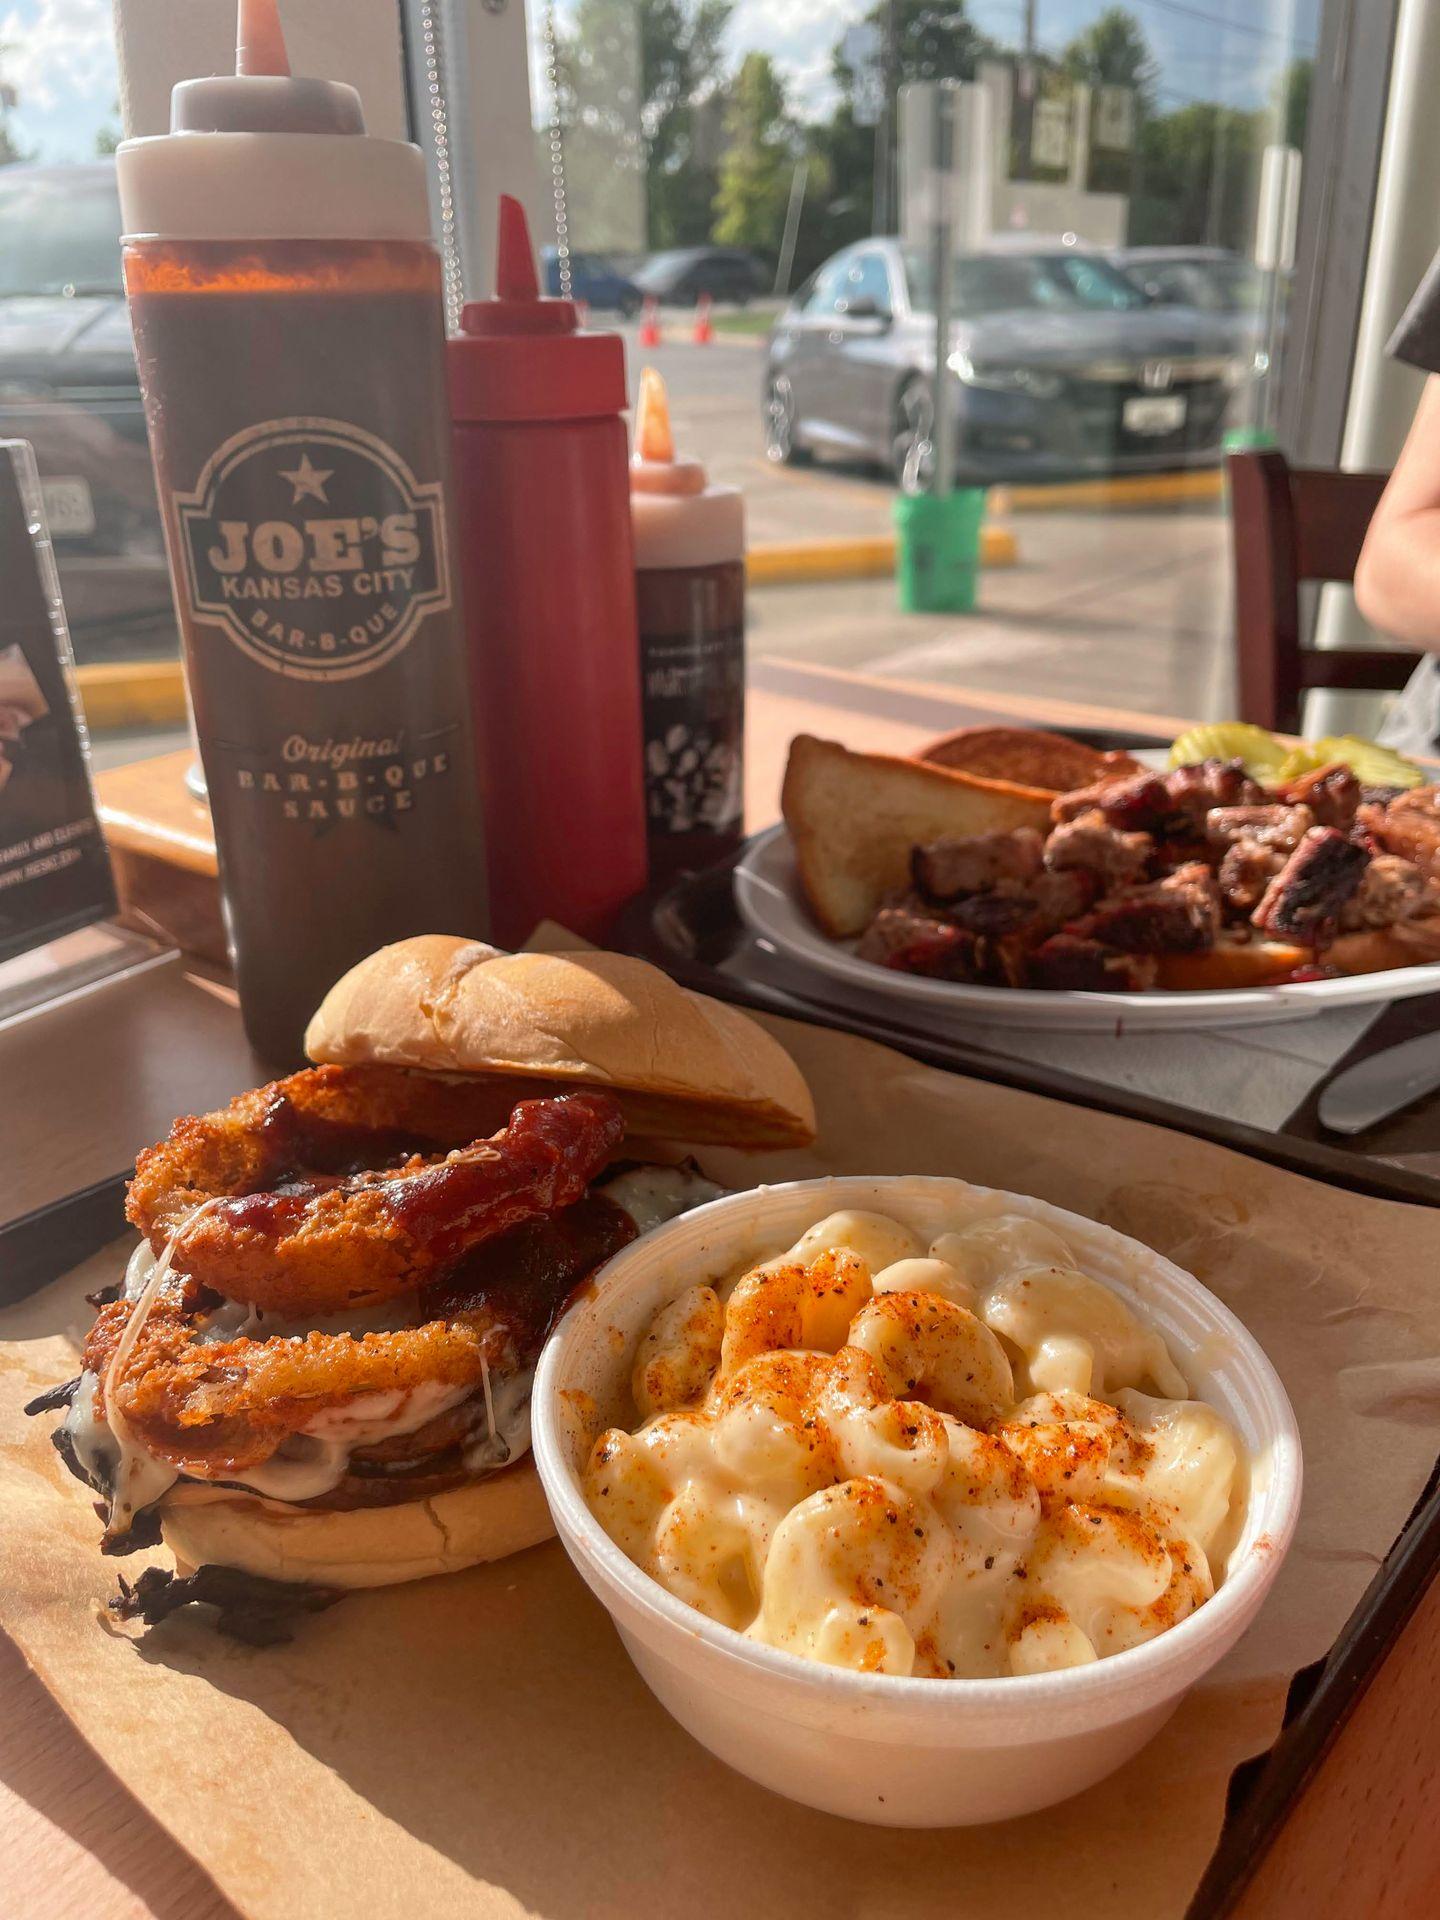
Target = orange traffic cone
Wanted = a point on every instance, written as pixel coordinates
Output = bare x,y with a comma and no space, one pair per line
649,334
582,314
704,330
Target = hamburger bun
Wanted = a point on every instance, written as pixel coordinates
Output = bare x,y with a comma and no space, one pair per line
488,1518
1027,755
681,1066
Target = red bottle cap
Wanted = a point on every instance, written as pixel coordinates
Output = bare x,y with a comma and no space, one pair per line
518,357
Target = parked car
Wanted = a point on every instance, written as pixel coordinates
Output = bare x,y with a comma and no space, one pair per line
594,279
1058,367
69,386
679,277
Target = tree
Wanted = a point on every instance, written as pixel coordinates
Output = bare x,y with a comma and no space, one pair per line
1113,52
759,161
932,41
1200,169
640,85
1291,99
9,150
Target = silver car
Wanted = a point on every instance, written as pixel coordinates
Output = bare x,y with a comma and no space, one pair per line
1059,367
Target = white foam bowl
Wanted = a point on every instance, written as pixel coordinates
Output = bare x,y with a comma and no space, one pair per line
901,1752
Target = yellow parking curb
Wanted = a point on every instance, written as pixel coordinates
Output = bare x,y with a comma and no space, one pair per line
855,559
151,693
132,693
1123,490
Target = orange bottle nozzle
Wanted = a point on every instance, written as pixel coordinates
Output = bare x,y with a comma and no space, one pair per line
653,438
515,277
260,39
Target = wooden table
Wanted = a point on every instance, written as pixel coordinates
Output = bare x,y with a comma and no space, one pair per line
1363,1840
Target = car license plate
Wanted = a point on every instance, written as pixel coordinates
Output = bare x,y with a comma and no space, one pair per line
1153,413
69,509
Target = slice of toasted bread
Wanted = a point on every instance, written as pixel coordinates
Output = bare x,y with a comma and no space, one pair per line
854,818
1028,755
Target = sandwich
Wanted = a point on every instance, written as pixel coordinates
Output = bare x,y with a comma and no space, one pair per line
315,1373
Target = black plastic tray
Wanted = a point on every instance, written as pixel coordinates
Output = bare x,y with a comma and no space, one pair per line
693,927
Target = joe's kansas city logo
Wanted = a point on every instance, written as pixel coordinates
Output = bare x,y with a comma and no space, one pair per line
314,546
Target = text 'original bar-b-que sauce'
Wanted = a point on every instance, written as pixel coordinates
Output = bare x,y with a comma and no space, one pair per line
288,324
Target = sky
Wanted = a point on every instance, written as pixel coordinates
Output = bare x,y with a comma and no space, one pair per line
58,55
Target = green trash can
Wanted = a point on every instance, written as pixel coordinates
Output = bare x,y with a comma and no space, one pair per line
937,549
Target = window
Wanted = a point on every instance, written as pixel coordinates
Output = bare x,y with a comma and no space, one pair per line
829,293
59,231
868,279
1004,282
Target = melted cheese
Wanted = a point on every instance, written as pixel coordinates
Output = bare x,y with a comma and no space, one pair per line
651,1195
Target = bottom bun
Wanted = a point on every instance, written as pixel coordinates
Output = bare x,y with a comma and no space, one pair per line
486,1519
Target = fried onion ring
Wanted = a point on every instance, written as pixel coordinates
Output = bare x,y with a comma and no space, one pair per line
325,1120
212,1408
321,1243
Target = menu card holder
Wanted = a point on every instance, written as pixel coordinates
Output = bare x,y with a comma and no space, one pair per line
55,884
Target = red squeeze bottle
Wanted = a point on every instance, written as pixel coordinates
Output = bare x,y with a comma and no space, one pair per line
545,544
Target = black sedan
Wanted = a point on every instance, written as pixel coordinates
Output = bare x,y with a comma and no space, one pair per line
679,277
69,386
1058,367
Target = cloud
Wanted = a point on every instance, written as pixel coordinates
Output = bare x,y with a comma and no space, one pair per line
799,35
55,49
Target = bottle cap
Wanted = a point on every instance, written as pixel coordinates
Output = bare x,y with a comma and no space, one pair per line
679,519
654,468
255,155
521,357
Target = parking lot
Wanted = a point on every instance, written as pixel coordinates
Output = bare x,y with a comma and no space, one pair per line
1125,604
1113,604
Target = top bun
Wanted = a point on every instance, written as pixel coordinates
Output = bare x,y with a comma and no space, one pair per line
682,1066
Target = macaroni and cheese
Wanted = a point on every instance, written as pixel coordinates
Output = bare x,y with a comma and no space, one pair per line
964,1458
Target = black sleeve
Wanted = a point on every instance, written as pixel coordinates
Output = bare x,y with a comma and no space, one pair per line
1417,338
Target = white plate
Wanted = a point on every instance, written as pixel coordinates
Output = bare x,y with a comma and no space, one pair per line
767,893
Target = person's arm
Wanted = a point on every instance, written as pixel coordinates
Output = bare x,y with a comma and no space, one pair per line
1397,581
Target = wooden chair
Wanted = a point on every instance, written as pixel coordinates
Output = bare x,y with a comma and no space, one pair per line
1293,524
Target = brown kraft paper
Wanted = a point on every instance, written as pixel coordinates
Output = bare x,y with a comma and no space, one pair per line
480,1745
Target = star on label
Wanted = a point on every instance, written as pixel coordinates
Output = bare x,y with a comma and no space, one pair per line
307,480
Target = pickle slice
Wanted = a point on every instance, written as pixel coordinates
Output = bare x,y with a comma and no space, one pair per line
1373,765
1261,752
1302,759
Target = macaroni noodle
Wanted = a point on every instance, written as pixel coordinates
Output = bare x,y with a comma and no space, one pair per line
963,1459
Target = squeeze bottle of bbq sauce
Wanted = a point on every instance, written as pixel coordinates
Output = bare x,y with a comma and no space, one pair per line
289,328
690,594
550,600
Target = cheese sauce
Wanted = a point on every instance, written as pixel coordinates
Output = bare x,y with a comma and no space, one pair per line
967,1458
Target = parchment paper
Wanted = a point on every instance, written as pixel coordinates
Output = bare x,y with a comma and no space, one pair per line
481,1746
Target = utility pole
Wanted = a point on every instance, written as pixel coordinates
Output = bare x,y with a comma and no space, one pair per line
885,197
